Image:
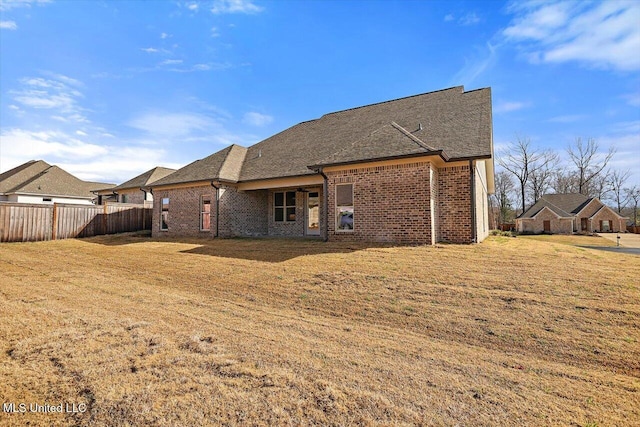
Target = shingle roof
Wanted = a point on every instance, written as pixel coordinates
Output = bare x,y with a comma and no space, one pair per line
20,174
38,177
565,205
145,178
223,165
451,122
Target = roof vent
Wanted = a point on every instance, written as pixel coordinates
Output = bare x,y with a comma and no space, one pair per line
260,153
419,126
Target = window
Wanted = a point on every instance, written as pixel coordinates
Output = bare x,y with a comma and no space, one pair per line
123,198
205,213
164,214
284,206
344,207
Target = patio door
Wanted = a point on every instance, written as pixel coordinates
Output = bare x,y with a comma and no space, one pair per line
313,214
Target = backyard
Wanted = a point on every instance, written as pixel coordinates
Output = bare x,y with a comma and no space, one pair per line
129,330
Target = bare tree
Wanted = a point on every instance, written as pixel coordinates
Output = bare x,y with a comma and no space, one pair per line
504,186
563,182
521,160
633,193
541,175
617,179
589,163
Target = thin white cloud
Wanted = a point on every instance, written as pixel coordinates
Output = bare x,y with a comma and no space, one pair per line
192,6
469,19
448,18
601,34
569,118
633,99
14,107
257,119
172,124
153,50
475,67
51,94
171,62
81,133
12,4
235,6
53,144
8,25
509,106
165,36
214,32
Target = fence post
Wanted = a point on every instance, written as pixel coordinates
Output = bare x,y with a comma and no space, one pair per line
54,222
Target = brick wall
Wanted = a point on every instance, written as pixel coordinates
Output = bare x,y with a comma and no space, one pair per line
295,228
184,212
616,224
391,203
435,209
133,196
454,203
242,213
557,225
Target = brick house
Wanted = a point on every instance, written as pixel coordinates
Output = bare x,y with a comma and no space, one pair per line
134,190
569,213
414,170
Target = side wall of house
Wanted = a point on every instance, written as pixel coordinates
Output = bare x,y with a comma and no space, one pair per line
617,223
435,206
454,203
556,225
391,203
132,196
481,202
242,213
184,212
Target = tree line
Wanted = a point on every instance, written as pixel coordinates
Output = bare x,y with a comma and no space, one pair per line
528,173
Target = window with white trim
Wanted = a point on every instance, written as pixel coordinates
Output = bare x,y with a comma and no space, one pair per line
284,206
205,213
164,214
344,207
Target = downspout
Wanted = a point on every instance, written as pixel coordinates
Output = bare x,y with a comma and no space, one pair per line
472,177
325,204
217,206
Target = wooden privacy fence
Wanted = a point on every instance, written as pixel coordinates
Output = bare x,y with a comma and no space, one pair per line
22,222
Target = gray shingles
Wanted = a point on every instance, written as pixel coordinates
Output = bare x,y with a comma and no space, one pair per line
209,168
51,181
145,178
451,120
565,205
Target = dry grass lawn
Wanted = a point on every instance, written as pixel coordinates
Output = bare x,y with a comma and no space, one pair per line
513,331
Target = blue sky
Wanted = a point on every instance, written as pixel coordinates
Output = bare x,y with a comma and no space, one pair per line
110,89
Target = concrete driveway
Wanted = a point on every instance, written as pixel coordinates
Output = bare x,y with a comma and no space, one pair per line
629,243
627,240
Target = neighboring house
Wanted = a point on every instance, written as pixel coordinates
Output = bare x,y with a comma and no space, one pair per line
569,213
36,181
134,190
413,170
